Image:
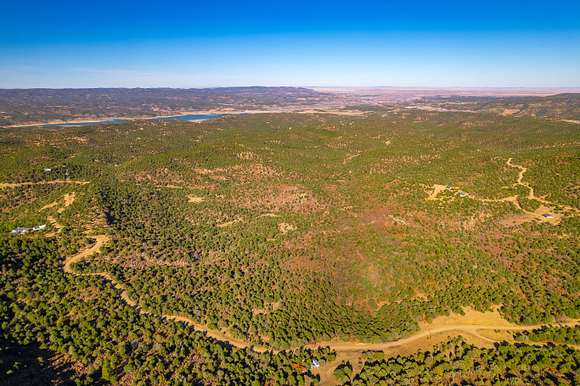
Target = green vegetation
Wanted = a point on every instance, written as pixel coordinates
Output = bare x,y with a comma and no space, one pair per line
458,362
283,230
84,318
567,334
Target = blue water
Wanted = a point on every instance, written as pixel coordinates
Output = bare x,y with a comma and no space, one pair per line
117,121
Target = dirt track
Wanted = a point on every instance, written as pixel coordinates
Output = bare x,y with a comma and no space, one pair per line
468,325
544,213
12,185
478,328
459,329
427,331
101,240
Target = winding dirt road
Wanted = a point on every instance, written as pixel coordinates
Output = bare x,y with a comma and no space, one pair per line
546,212
100,241
426,332
473,324
471,327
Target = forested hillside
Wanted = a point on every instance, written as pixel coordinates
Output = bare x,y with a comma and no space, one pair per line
225,251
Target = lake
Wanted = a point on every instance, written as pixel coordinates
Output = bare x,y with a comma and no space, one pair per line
117,121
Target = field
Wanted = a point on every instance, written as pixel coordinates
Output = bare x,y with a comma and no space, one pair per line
397,246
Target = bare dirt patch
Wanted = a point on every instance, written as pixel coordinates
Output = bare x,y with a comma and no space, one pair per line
509,112
284,227
247,155
301,263
349,157
195,199
436,190
51,205
542,214
381,218
470,317
69,199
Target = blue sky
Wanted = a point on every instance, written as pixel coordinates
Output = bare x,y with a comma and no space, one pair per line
309,43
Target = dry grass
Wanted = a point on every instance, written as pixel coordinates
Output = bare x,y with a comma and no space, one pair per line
470,317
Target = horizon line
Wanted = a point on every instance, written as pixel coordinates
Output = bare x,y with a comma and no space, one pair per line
308,87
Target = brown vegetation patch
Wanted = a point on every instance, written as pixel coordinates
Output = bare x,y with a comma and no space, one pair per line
241,173
87,294
292,198
382,217
474,221
269,307
161,177
374,275
301,263
255,171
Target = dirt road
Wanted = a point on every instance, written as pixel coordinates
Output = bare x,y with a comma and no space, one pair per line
101,240
458,329
12,185
546,211
427,330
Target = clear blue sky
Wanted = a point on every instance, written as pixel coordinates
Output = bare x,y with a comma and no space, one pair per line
312,43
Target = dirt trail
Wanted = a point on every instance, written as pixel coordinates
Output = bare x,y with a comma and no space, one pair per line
482,329
69,199
485,328
12,185
531,193
437,189
469,324
477,328
458,329
101,240
546,211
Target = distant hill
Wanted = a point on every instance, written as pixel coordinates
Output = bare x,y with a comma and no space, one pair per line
559,106
37,105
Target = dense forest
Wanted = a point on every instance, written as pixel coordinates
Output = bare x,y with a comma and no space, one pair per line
286,230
